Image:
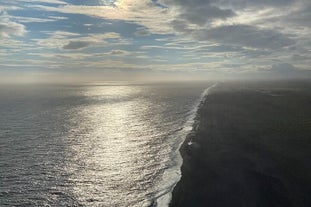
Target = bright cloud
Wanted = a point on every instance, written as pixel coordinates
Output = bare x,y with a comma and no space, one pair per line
9,28
142,12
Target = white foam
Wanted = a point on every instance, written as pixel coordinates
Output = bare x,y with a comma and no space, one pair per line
173,174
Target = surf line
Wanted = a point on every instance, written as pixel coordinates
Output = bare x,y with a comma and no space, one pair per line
194,113
163,199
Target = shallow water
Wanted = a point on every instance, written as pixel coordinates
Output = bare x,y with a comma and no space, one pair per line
96,145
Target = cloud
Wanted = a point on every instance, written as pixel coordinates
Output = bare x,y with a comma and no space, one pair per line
74,41
276,71
204,14
118,52
301,16
285,69
22,19
141,31
199,12
42,1
189,34
247,36
255,3
9,28
298,57
203,19
76,45
141,12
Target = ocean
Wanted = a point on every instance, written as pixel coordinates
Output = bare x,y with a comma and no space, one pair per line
250,147
110,144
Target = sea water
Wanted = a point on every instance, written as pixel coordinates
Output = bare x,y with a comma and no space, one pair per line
93,145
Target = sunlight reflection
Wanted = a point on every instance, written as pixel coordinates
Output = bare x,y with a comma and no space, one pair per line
108,145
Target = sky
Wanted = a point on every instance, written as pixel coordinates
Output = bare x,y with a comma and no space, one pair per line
124,39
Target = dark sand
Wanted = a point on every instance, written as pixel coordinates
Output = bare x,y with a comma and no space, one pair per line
252,148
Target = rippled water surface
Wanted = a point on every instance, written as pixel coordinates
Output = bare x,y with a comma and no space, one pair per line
98,145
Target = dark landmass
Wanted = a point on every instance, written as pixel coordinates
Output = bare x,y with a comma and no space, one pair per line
251,148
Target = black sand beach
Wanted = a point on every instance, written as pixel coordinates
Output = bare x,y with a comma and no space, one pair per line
252,148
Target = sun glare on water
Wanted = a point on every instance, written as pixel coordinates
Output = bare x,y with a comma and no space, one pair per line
109,141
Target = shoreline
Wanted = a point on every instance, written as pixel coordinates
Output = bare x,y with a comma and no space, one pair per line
243,153
188,127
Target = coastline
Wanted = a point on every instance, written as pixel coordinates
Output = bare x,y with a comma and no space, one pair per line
250,148
164,198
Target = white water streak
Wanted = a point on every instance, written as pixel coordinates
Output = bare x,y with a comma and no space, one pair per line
173,174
